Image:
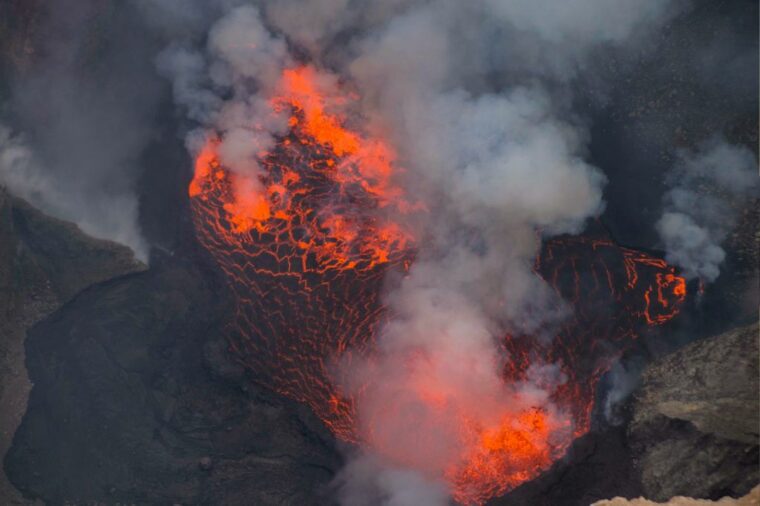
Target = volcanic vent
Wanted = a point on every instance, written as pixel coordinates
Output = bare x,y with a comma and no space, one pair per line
305,247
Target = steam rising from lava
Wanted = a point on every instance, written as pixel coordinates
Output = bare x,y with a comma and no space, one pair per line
700,206
396,148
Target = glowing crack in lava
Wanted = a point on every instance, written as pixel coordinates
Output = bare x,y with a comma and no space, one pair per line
306,246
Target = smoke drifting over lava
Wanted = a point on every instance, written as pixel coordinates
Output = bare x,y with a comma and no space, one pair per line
377,184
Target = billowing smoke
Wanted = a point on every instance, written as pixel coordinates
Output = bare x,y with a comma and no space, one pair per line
474,98
623,378
367,481
226,88
113,216
82,100
707,186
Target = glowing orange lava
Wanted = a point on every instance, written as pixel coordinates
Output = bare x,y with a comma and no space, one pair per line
331,211
504,456
306,246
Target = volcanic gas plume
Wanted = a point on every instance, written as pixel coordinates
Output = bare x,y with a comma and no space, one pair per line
306,244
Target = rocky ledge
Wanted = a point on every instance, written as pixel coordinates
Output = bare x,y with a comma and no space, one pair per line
696,419
44,262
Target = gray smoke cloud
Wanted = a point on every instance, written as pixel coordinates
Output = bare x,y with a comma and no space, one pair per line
367,481
707,186
83,104
107,215
224,89
623,378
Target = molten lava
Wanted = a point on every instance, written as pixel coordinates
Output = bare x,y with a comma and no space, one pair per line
322,186
305,248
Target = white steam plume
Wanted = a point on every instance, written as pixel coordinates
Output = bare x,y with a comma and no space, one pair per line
707,185
225,89
367,481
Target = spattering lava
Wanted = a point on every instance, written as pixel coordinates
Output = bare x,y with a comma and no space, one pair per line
305,248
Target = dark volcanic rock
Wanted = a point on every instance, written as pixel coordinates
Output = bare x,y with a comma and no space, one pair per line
126,407
696,419
43,263
39,251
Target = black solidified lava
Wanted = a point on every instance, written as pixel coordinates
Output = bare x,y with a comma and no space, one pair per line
134,403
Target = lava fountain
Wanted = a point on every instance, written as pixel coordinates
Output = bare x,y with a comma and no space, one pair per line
305,247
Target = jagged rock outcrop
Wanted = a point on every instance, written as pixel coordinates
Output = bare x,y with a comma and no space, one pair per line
44,262
696,419
751,499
